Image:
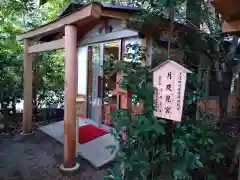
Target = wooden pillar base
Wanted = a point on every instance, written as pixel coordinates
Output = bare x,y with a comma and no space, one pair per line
27,134
73,169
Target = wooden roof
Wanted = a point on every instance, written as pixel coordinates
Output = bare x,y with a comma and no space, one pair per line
84,18
73,6
86,15
230,11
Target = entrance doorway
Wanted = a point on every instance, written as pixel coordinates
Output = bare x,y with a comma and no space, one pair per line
99,98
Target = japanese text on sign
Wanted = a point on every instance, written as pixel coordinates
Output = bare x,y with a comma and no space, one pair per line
179,92
169,80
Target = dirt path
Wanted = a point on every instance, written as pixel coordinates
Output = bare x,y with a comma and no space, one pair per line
38,157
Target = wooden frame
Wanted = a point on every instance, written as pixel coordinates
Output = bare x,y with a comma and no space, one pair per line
117,14
57,44
91,11
119,41
28,90
71,27
108,37
89,82
227,8
70,95
231,27
230,12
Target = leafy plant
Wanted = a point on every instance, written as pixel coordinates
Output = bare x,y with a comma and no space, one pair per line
142,151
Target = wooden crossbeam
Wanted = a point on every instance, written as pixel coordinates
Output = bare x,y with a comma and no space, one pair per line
231,27
117,14
109,36
48,46
90,12
229,9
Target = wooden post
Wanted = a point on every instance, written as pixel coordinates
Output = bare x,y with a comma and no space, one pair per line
77,143
27,109
89,84
207,76
238,95
199,80
71,74
144,43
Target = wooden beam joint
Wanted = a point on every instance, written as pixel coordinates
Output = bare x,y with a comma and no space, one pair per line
48,46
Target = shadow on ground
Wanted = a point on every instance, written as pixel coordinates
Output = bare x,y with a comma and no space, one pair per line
38,157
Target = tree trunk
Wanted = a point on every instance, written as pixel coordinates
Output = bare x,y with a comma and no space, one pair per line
14,107
206,81
5,117
192,40
199,80
193,14
193,21
169,135
223,100
225,75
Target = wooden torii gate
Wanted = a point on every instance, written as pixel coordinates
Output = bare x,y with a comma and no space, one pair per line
70,29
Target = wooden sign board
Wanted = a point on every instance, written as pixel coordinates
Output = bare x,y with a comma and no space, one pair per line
169,80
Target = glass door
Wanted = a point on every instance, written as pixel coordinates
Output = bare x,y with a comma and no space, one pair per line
94,82
111,52
98,95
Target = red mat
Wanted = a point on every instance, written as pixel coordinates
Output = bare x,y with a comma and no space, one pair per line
89,132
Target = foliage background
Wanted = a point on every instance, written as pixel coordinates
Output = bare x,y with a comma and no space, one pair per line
145,154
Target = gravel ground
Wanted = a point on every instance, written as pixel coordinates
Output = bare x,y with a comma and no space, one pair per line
37,157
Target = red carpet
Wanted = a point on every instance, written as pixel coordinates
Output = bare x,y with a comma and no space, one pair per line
89,132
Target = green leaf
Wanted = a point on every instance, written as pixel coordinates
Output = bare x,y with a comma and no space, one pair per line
158,128
111,148
199,164
210,141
